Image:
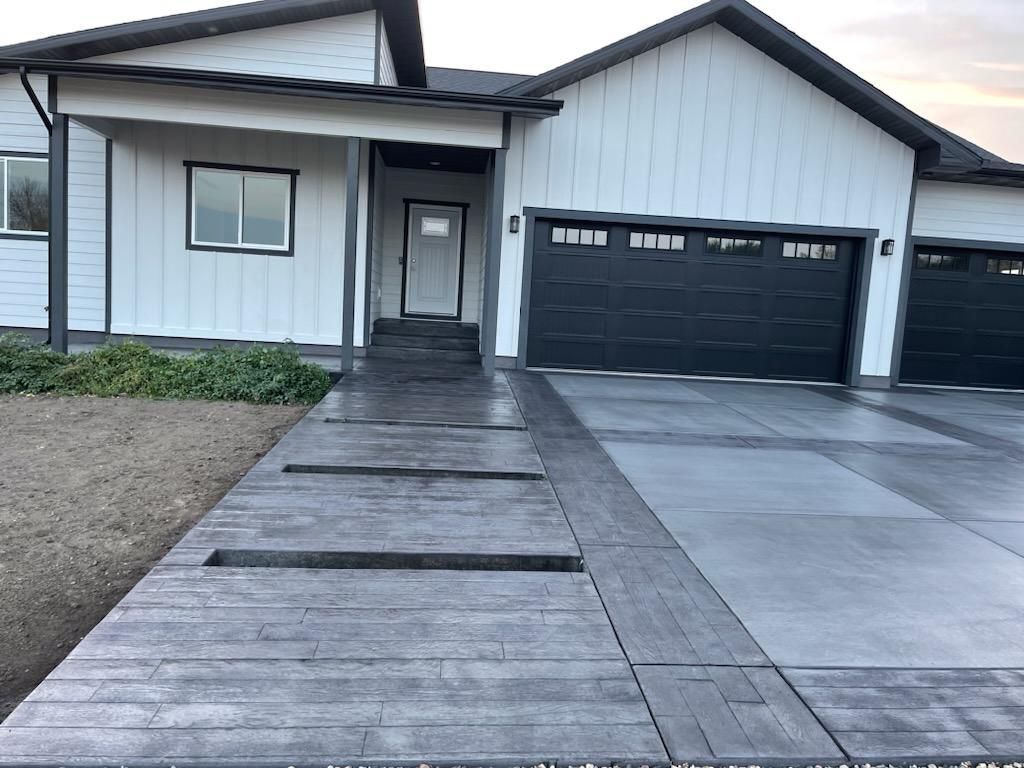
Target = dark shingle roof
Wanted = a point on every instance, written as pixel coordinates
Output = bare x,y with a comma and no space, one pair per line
471,80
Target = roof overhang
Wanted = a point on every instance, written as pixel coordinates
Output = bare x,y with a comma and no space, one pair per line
518,106
401,17
767,35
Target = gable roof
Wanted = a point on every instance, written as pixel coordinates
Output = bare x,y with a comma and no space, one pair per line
471,80
401,18
767,35
946,154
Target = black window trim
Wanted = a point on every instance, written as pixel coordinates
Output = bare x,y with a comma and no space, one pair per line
643,231
595,228
34,237
190,245
964,256
812,241
995,273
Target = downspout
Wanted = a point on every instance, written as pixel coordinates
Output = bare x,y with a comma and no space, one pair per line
23,72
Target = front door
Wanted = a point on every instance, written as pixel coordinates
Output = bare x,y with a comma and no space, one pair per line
433,261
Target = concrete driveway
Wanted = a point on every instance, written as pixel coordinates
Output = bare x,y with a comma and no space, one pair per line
845,528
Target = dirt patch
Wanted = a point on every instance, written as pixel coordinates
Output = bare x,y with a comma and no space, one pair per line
92,493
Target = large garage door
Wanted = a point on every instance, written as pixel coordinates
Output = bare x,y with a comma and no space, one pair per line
653,299
965,319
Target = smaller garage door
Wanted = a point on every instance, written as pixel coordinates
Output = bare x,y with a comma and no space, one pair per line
965,319
642,298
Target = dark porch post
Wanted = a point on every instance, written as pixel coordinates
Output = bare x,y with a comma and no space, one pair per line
348,301
58,240
492,267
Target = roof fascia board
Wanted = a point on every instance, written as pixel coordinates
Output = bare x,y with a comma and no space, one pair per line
515,105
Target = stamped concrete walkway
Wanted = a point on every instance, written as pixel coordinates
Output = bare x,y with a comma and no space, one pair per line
439,566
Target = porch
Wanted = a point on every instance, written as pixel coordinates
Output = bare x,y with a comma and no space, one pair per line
254,209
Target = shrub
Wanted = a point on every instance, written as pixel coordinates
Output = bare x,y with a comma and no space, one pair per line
257,374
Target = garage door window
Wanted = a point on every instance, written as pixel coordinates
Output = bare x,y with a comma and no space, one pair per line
811,251
1014,267
657,241
733,246
942,262
579,236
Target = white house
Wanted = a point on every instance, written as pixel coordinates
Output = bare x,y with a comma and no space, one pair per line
711,196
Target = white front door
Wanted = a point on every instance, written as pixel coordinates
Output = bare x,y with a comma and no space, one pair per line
433,261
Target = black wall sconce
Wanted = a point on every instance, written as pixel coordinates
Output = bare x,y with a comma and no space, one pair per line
888,247
513,224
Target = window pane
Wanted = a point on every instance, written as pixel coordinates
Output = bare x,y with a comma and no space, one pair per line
265,204
789,250
678,243
714,244
817,251
558,234
803,250
586,237
650,240
430,226
636,239
28,196
600,237
664,242
830,252
572,236
753,247
216,206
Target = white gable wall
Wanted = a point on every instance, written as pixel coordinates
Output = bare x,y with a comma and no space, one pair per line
338,48
23,263
707,126
386,63
969,212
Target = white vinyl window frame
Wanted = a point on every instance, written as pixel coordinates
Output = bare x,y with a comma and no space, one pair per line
241,172
5,191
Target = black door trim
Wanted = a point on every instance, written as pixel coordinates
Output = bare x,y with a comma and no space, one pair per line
866,237
409,202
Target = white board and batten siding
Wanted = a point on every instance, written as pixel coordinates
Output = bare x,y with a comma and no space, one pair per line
159,288
23,263
707,126
341,48
443,187
386,74
969,212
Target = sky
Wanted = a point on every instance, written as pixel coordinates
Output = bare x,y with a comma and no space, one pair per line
960,64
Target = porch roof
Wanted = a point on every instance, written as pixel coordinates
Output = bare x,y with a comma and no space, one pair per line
518,106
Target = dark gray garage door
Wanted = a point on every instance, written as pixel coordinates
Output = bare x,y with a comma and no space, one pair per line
654,299
965,319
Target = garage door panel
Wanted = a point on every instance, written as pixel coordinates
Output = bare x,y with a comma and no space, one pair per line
965,325
568,294
658,327
572,267
572,322
733,303
648,272
653,299
749,312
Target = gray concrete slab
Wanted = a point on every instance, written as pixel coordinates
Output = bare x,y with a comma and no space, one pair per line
1008,535
625,388
696,418
873,592
756,481
1002,427
849,423
964,489
937,403
757,393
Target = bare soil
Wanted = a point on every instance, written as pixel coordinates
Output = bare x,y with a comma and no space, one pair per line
92,493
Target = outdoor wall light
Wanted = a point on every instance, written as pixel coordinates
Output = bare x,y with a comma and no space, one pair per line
513,224
888,246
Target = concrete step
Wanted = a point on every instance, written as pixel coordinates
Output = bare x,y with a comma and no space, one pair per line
425,342
418,353
403,327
